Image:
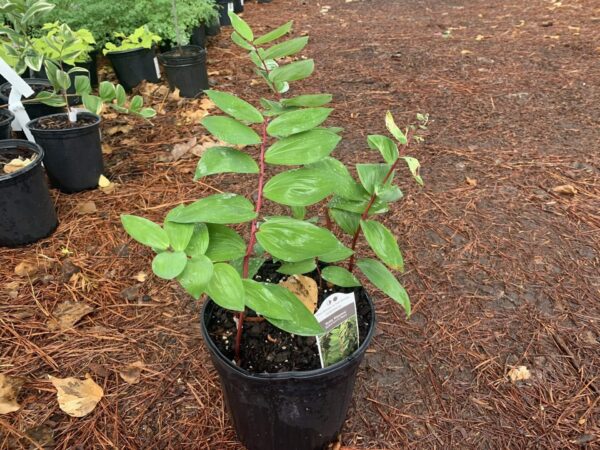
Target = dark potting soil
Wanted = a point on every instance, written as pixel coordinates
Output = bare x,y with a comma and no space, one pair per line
62,122
267,349
7,155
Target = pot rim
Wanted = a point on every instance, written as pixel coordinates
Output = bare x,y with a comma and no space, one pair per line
31,124
130,50
6,116
29,81
303,375
15,143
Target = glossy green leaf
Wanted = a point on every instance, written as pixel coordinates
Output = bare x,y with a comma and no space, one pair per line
92,103
235,107
179,234
231,131
225,287
168,265
301,321
199,241
387,147
339,276
347,221
308,101
388,193
286,48
384,280
241,26
265,299
107,91
145,232
373,175
295,71
82,85
299,187
358,207
275,34
296,268
254,265
344,185
414,165
339,253
224,244
298,212
393,128
196,275
302,148
383,243
298,121
218,208
294,240
224,160
240,41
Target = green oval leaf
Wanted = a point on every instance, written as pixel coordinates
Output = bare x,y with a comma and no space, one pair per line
218,208
414,165
224,244
302,148
286,48
230,130
308,101
196,275
299,187
292,72
275,34
393,128
145,231
345,185
235,107
298,121
301,321
294,240
225,287
339,276
383,243
347,221
299,267
383,279
372,176
168,265
240,41
199,241
224,160
387,147
263,299
179,234
241,26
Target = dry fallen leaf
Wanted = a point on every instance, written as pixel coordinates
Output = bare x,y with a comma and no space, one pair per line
107,149
567,189
16,164
207,104
175,95
119,129
84,208
67,314
305,289
26,269
140,276
132,372
480,37
105,185
194,115
77,397
182,149
520,373
9,390
103,181
471,181
466,52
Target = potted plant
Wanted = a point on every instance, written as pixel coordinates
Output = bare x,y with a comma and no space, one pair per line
133,57
27,210
185,65
71,140
260,334
238,6
225,7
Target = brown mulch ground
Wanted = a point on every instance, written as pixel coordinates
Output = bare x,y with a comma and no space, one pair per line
503,271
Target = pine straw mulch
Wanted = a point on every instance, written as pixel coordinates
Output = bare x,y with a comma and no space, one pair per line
503,271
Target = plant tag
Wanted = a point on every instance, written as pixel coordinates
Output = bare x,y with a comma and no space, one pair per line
337,315
230,6
157,67
73,116
242,2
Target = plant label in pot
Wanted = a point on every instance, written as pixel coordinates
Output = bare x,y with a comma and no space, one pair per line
261,333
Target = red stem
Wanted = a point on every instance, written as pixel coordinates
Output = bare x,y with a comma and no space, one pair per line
253,230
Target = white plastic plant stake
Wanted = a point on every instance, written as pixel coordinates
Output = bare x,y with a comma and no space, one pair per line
18,89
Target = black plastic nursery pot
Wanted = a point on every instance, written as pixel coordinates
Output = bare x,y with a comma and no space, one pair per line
214,28
6,118
199,36
73,157
224,7
134,66
34,110
186,70
288,410
27,213
264,1
238,6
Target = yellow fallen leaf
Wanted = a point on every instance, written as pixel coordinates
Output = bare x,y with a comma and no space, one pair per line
140,276
16,164
77,397
207,104
471,181
132,372
566,189
480,37
68,313
103,182
26,269
520,373
175,95
9,391
84,208
107,149
305,288
119,129
466,52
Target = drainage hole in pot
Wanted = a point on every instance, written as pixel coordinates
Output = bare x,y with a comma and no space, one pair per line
267,349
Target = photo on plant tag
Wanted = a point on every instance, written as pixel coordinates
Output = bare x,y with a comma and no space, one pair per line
339,343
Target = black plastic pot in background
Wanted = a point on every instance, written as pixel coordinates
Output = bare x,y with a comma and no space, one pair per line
34,110
264,1
73,157
214,28
134,66
198,36
27,213
289,410
238,6
224,7
186,70
6,118
90,65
